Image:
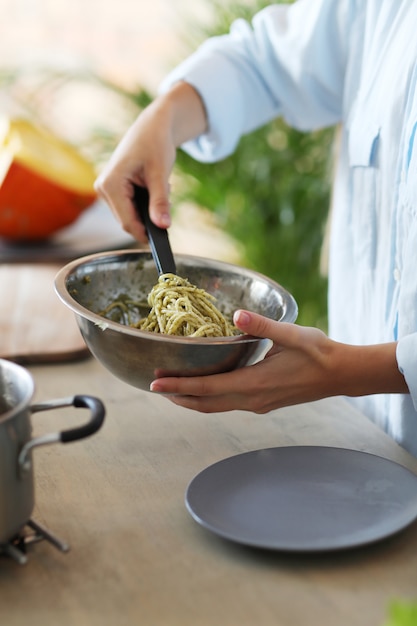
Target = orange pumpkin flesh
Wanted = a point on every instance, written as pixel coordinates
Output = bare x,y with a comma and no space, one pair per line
45,184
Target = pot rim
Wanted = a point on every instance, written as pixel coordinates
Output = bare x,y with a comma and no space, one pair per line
18,372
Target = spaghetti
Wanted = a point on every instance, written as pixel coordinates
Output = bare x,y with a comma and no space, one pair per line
178,308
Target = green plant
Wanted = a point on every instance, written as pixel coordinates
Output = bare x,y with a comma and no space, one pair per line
402,613
271,195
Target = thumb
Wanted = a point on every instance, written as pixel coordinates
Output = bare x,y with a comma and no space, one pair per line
260,326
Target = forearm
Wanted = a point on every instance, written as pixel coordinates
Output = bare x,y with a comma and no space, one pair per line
184,112
366,370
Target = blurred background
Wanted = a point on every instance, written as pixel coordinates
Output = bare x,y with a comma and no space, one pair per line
85,69
130,41
54,53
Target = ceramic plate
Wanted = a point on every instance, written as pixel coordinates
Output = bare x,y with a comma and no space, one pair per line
304,498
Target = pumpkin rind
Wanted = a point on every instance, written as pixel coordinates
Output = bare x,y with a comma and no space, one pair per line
36,200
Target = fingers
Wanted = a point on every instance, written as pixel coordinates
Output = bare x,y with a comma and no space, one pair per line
117,193
211,404
223,391
259,326
195,385
240,389
159,204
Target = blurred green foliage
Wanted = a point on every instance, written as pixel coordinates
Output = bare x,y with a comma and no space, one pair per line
271,195
402,613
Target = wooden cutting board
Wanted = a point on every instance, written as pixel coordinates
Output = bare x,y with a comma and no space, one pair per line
35,326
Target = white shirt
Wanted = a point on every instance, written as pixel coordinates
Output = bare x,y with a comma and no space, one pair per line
318,63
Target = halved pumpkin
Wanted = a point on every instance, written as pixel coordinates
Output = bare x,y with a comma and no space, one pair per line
45,183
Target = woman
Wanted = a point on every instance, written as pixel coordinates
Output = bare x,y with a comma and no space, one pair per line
316,63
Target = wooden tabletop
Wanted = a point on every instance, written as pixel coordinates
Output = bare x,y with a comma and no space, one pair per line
138,558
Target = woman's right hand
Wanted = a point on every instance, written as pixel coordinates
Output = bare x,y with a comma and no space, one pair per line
146,155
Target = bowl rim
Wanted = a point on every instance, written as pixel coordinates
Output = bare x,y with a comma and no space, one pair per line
60,285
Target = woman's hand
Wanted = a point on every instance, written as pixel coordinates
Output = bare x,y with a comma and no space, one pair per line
146,155
303,365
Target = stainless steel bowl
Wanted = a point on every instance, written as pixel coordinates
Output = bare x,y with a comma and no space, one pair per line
89,284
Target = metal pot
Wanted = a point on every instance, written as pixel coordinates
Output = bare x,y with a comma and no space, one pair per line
16,445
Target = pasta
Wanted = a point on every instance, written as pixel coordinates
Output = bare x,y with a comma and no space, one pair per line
178,308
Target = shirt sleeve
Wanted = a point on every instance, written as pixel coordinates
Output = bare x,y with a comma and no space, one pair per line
290,61
406,358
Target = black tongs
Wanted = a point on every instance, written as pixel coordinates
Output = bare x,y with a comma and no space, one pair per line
158,237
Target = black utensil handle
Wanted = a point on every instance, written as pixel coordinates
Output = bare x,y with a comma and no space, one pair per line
158,237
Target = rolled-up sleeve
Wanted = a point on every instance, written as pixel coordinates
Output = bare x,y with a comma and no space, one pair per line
406,358
290,61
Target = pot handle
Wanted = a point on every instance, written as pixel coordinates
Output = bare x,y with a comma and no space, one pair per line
80,432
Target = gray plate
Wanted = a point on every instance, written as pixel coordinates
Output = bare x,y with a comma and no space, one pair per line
304,498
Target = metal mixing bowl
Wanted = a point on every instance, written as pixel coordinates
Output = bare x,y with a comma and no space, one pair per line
89,284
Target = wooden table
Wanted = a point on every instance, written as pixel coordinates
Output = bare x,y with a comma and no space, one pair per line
138,558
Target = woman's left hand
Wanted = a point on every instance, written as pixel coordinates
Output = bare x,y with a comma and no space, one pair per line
298,368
